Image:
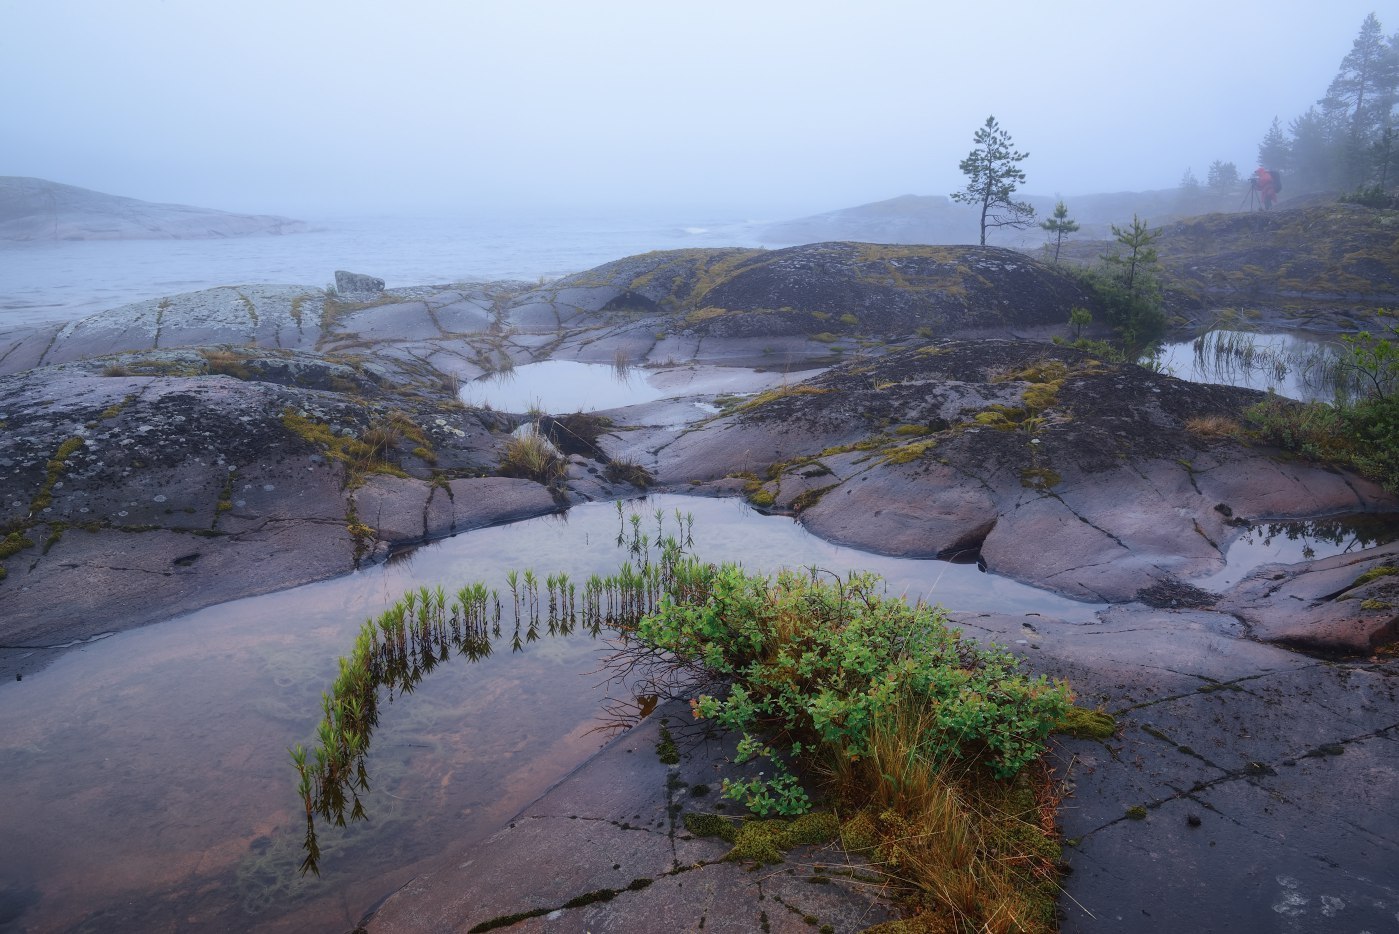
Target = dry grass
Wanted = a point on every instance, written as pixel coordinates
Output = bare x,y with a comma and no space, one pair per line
227,363
1214,427
972,853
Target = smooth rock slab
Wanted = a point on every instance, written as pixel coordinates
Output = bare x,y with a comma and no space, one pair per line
614,821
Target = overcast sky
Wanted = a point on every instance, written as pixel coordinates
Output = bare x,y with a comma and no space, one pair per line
766,107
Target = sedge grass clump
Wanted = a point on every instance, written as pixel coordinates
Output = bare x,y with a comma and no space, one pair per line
531,457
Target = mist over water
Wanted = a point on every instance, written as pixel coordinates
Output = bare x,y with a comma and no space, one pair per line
48,281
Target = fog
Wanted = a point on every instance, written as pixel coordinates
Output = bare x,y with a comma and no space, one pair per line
772,108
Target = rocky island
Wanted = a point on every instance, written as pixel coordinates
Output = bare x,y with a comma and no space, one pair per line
181,452
38,209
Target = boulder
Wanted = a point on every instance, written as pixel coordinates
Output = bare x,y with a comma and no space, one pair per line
357,282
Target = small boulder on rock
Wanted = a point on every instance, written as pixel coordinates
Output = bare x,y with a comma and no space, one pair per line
357,282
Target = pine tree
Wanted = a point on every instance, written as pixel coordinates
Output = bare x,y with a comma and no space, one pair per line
1314,153
1190,191
1130,288
1222,178
1360,101
1275,152
993,174
1059,225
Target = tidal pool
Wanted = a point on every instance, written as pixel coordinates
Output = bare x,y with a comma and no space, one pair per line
560,387
148,785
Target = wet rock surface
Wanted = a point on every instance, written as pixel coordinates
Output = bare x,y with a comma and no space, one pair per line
620,859
131,498
1246,787
1043,463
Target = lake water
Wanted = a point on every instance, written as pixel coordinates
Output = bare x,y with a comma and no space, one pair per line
147,781
42,281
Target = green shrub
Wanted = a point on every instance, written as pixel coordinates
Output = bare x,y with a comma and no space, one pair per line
819,662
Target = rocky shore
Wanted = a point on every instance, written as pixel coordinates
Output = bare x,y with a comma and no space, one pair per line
178,453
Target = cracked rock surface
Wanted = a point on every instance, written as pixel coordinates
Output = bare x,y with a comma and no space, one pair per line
1249,788
606,851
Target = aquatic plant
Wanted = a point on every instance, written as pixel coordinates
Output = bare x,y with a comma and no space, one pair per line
426,627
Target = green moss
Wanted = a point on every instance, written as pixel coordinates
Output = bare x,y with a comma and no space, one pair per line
762,497
914,430
759,841
780,392
113,410
360,456
859,833
1086,724
1374,574
55,535
53,470
1373,604
906,453
809,498
849,319
710,825
812,829
997,417
1136,812
14,543
666,749
765,841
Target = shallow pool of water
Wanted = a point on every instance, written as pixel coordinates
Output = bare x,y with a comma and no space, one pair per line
1289,542
147,781
563,386
1294,365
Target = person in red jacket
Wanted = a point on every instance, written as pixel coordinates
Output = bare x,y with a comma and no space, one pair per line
1268,187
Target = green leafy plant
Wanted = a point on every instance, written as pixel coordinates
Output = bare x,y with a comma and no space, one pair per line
812,664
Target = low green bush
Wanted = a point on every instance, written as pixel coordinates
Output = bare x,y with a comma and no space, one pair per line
813,664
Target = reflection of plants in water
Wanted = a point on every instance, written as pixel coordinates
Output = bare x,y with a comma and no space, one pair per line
1231,356
1347,533
424,628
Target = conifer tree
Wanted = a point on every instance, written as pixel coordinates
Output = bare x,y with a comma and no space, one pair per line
1059,225
993,173
1274,152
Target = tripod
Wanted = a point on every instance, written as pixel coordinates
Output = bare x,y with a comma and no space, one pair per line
1252,198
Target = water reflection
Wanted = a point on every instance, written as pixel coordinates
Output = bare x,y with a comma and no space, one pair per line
1293,365
560,386
1289,541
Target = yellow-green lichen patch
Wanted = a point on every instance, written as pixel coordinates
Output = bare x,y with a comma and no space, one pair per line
781,392
52,471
